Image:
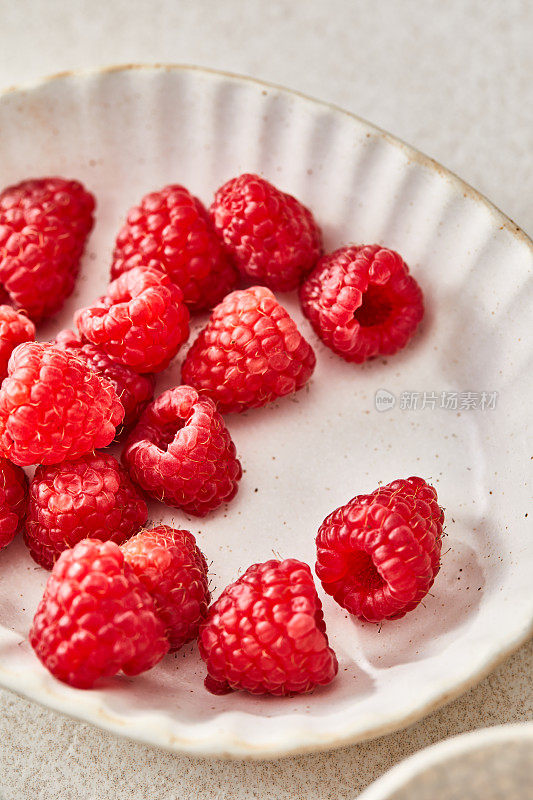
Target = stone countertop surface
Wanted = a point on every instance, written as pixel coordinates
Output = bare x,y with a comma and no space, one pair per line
454,80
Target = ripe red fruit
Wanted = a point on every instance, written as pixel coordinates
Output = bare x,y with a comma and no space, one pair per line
96,618
53,407
249,353
173,570
171,231
362,302
141,322
133,390
89,497
181,452
15,328
271,236
266,633
378,555
13,500
43,227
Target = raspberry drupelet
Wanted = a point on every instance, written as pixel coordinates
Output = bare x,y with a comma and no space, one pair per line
171,231
270,235
266,633
96,618
15,328
362,302
249,353
53,407
43,227
180,452
89,497
173,570
141,322
13,500
133,390
378,555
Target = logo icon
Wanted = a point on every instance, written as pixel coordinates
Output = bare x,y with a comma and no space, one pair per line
384,400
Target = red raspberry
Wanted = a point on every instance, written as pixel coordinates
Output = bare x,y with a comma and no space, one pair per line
378,555
141,322
43,227
181,453
13,500
96,618
266,633
53,407
173,570
171,231
250,352
133,390
89,497
271,236
362,302
15,328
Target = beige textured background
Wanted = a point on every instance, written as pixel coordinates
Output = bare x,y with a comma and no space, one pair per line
452,78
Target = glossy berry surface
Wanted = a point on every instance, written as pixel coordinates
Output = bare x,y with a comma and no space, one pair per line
362,302
15,328
249,353
266,633
133,390
271,236
43,227
96,618
172,568
89,497
170,230
181,452
53,407
141,322
378,555
13,500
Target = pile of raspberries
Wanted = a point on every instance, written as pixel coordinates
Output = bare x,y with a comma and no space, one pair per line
121,593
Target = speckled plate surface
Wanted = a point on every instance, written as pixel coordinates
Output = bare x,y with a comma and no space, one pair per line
489,764
461,396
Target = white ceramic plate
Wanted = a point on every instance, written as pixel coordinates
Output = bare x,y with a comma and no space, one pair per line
489,764
127,131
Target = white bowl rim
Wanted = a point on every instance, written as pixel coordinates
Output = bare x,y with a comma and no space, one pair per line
234,747
404,772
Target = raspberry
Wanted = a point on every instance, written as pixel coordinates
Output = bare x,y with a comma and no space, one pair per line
271,236
133,390
13,500
181,453
266,633
43,227
15,328
141,322
378,555
89,497
174,572
171,231
362,302
53,407
249,354
96,618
